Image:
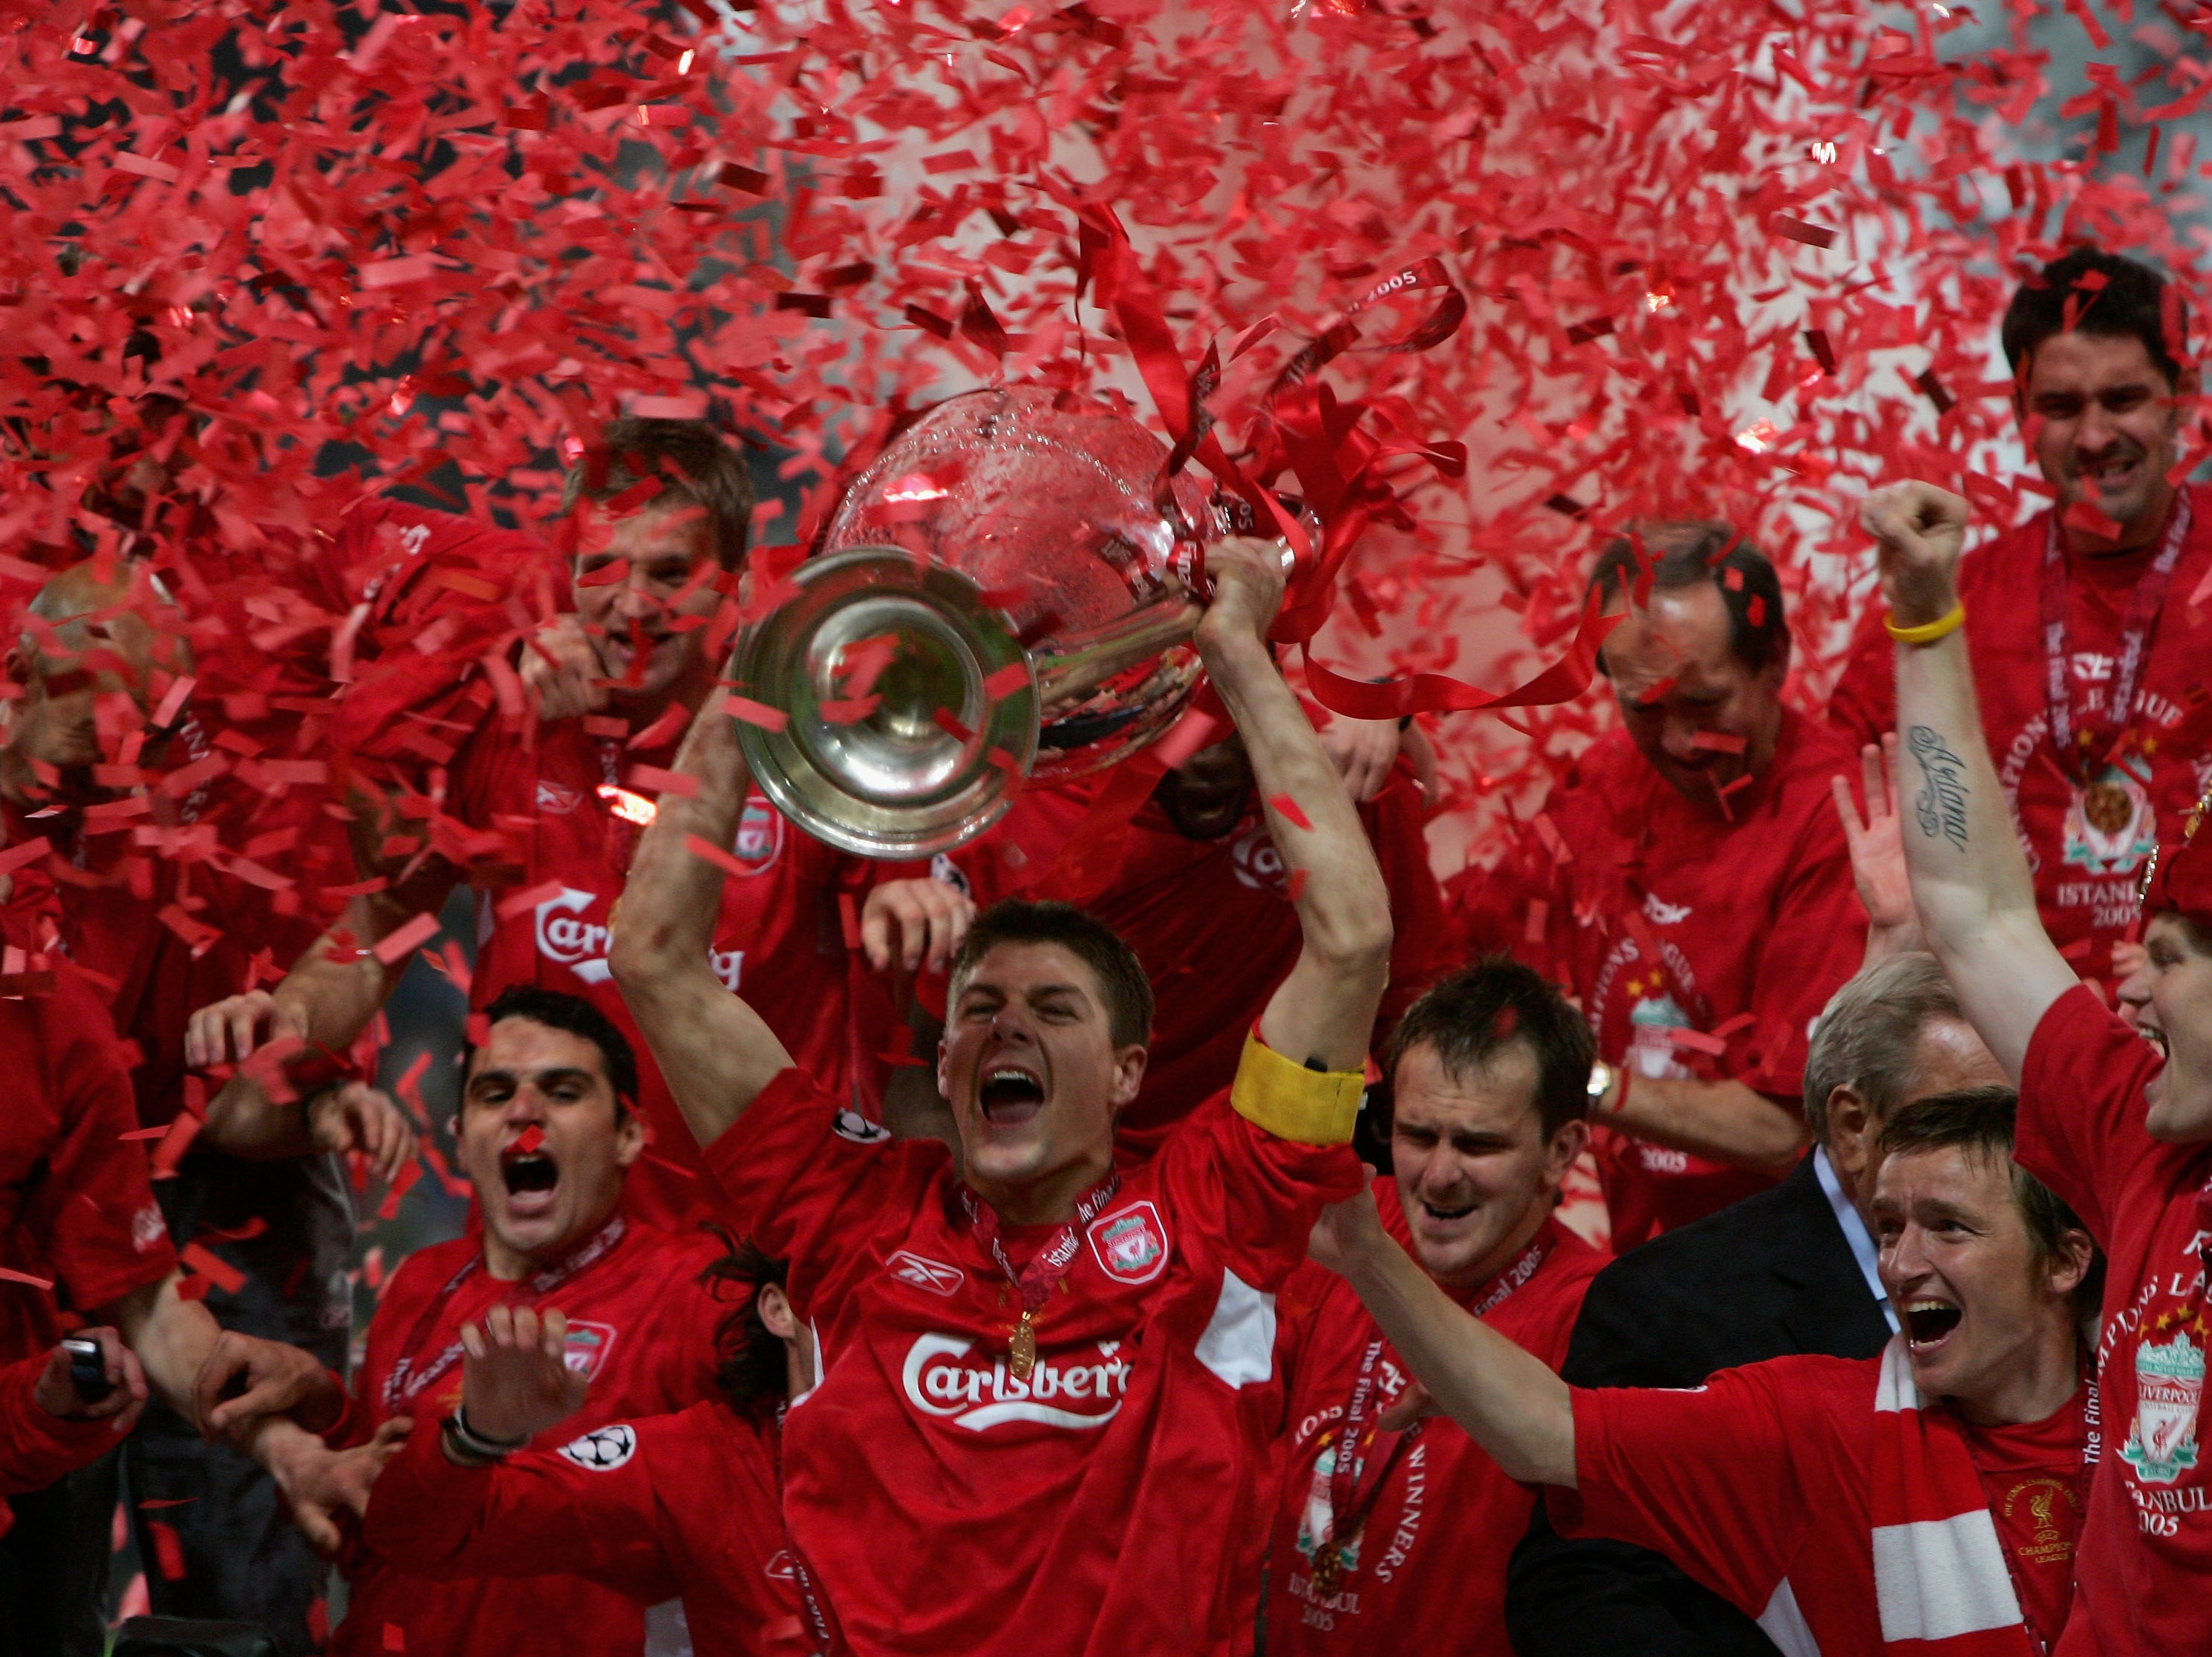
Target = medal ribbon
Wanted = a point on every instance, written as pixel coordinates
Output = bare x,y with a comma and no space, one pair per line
801,1578
2143,606
1035,1280
405,1381
1348,1505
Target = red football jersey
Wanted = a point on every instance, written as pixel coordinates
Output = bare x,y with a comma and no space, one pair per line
75,1208
116,902
1109,1502
1213,923
2086,844
641,1324
2147,1546
1759,1484
365,641
549,830
1427,1570
1698,944
37,1449
656,1508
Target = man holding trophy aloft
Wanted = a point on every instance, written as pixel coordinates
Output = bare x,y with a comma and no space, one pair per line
1034,1368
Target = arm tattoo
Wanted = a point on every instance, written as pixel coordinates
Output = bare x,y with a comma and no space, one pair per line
1941,807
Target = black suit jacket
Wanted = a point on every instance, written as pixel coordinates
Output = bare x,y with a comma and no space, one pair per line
1770,1275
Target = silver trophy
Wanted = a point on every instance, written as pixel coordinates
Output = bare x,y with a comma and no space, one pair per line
1001,596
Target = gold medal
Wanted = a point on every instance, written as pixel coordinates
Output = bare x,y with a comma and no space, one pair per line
1328,1568
1021,1351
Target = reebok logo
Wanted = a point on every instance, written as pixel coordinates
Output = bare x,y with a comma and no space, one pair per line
942,1381
925,1273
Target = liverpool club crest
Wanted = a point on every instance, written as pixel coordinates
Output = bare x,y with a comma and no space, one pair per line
1130,1245
2162,1442
2111,827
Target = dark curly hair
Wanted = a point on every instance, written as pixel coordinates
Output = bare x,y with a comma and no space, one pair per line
751,1371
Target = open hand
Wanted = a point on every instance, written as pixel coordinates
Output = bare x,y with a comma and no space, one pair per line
354,1116
909,920
1921,530
515,1383
1877,847
321,1484
562,672
1363,751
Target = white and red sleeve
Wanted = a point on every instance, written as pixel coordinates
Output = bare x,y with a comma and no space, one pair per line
1703,1476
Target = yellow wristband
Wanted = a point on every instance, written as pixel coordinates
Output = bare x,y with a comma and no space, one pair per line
1310,1107
1929,632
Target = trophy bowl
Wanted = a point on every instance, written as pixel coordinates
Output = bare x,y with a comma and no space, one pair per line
997,597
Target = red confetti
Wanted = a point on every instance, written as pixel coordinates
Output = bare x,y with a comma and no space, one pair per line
168,1550
395,947
725,861
752,713
522,902
212,1266
1009,680
1812,235
182,1129
30,851
665,782
1290,811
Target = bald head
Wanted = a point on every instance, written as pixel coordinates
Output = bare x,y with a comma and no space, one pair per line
105,617
99,640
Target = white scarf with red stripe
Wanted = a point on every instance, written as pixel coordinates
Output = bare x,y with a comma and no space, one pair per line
1939,1565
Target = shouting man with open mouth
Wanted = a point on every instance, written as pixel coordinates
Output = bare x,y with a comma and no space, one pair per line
1036,1371
1923,1500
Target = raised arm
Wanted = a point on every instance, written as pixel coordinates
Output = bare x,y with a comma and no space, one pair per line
329,994
1325,1010
714,1052
1507,1400
1970,878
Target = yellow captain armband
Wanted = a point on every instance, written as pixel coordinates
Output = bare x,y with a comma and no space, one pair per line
1310,1107
1929,632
